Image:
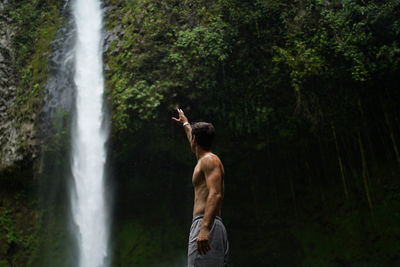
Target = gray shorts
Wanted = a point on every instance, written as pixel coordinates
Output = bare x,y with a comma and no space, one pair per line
217,256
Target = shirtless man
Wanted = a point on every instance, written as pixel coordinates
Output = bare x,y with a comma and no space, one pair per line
208,244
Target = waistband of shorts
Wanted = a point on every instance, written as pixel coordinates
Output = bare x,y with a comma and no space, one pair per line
200,216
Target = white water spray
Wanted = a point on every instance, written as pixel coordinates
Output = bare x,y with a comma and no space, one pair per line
89,137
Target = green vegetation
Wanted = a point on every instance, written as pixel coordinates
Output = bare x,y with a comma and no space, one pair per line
144,244
18,228
304,97
37,23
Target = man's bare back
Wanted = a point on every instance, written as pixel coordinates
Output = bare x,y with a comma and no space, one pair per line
212,165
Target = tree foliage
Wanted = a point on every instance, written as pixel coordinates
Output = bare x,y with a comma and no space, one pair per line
304,97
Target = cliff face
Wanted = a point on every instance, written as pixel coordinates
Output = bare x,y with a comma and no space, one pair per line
10,135
18,219
27,29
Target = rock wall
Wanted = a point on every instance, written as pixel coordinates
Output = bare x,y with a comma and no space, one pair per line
9,135
18,140
27,30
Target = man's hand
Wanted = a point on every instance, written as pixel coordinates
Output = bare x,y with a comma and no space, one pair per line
202,241
184,121
182,118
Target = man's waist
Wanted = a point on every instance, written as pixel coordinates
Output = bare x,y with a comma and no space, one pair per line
200,216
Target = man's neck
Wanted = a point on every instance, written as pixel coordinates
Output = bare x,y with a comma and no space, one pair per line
201,152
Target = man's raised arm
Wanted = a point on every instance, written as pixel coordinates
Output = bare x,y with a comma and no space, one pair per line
185,123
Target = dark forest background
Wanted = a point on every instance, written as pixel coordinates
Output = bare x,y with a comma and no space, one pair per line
304,97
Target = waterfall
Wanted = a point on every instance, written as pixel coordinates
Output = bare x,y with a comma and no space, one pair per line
89,136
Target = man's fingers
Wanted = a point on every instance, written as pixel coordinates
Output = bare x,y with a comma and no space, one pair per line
206,247
200,247
175,119
203,247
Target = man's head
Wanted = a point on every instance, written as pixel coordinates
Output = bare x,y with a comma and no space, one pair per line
203,135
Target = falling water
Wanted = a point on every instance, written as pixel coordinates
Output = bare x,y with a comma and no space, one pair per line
89,137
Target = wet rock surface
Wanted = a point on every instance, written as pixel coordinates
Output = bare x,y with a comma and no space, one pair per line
8,133
17,138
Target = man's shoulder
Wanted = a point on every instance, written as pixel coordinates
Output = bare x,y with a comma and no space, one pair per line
210,160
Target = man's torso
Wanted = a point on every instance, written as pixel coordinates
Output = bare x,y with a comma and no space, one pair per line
200,185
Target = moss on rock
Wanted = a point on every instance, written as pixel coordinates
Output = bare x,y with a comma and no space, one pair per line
35,24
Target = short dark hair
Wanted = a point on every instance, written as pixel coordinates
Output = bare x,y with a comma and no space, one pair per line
204,133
